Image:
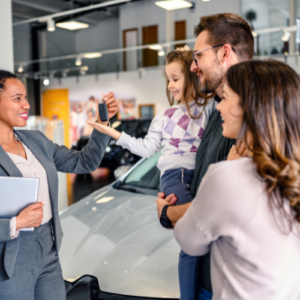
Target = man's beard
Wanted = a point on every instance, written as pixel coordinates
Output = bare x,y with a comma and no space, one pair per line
210,85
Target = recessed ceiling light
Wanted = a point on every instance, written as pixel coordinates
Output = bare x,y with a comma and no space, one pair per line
161,53
254,33
78,61
72,25
286,36
50,25
46,81
92,55
174,4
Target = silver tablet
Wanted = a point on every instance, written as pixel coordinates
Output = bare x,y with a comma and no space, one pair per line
16,193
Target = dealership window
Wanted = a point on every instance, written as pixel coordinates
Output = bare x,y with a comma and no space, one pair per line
263,14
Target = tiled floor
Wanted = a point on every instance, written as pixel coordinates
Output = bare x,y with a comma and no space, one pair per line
80,186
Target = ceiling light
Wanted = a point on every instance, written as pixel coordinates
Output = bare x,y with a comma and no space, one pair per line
174,4
78,61
20,69
83,70
50,25
92,55
65,73
254,33
286,36
155,47
46,81
72,25
161,53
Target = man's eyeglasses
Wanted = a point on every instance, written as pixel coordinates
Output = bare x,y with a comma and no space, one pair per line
195,59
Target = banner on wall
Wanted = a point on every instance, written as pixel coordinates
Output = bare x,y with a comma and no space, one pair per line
87,110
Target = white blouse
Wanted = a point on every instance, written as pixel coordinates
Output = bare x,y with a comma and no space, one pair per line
32,168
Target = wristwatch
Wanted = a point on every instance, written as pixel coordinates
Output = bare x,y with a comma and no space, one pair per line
164,220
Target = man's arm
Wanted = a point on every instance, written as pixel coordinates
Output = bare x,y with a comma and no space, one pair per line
174,213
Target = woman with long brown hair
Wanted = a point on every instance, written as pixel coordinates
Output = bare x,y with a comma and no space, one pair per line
247,211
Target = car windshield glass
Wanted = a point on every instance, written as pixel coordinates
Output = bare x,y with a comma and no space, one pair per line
146,175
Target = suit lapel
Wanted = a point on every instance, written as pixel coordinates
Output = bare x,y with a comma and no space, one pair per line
8,165
37,152
40,156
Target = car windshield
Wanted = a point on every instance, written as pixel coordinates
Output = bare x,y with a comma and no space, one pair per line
145,178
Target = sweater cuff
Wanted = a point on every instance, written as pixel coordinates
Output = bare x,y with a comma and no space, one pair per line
123,140
14,233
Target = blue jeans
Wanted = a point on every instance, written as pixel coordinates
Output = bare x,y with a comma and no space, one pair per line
177,181
204,294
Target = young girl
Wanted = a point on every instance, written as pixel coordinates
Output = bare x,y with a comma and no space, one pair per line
177,132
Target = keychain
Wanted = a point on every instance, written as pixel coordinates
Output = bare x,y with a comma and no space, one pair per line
103,113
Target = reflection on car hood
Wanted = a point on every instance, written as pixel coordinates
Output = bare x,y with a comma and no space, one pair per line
115,235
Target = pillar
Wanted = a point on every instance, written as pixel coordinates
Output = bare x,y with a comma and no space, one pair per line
6,37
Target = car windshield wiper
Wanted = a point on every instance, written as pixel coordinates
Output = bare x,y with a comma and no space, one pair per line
129,189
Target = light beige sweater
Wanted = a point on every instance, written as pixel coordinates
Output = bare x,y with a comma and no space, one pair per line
251,258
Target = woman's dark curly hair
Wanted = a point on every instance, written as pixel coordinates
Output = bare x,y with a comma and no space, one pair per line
185,58
3,76
269,93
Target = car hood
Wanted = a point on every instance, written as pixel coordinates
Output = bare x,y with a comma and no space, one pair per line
115,235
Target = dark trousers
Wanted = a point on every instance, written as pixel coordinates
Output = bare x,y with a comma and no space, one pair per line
177,181
37,273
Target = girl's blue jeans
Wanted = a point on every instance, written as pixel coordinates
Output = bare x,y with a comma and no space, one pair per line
177,181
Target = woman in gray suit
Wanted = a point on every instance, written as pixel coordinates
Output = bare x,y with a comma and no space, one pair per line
29,263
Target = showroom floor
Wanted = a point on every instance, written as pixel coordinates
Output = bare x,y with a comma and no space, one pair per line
80,186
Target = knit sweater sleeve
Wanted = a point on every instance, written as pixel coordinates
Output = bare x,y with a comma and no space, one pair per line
209,215
151,142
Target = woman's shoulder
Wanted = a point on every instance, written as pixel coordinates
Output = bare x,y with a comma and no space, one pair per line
32,134
228,173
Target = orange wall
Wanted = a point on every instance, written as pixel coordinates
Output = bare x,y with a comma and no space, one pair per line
56,106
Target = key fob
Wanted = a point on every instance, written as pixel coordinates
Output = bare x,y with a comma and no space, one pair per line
103,113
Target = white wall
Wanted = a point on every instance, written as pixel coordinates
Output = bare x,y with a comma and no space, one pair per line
146,90
6,37
146,13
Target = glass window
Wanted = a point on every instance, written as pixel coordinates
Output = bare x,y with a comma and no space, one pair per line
263,14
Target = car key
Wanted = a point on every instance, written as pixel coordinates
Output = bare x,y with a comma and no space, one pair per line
103,113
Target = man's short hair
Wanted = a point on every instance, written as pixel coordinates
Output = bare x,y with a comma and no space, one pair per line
228,29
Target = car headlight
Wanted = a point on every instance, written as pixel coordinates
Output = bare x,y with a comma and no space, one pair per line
108,149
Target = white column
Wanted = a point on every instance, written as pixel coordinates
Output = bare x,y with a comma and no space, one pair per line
293,18
6,37
169,27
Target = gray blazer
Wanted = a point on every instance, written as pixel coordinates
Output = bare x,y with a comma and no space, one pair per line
53,158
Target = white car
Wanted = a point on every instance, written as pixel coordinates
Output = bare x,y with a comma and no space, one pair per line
114,234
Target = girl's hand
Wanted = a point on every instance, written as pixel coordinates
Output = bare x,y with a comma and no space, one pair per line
106,130
31,216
